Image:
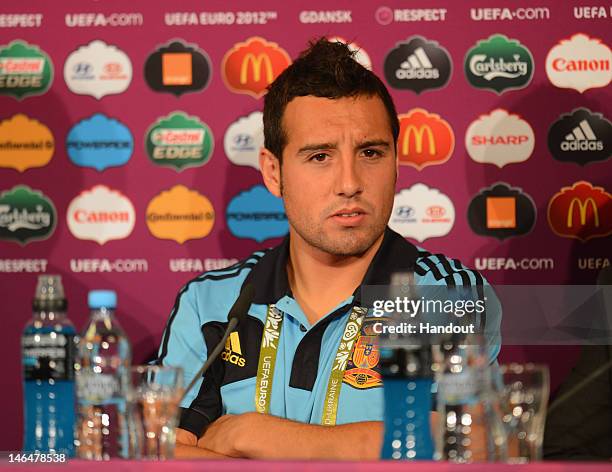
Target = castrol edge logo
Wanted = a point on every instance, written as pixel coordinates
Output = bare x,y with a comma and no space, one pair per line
101,215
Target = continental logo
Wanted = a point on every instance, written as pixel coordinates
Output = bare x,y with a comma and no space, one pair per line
251,66
233,352
180,214
581,211
425,139
25,143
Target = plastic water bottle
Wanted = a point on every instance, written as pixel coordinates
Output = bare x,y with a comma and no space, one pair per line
405,363
102,376
470,427
47,347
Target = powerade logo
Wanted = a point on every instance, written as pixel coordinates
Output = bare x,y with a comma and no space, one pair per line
24,70
99,142
581,137
179,141
417,64
256,214
501,211
26,215
499,64
178,68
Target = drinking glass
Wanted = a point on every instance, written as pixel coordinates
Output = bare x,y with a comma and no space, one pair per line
154,396
524,398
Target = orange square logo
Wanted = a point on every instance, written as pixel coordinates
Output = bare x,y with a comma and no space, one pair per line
176,68
501,212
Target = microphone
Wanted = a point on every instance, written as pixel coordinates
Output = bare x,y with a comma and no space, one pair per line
236,314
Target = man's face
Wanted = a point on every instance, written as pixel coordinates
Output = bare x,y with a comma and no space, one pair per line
338,172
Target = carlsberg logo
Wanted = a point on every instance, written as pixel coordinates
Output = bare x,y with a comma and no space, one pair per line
499,64
26,215
491,68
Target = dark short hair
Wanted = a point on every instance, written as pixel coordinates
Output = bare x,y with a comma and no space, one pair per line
326,69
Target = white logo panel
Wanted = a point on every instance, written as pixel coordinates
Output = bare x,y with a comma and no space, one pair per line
421,213
243,140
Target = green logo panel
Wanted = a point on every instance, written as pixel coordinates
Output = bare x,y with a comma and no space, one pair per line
179,141
499,64
25,70
26,215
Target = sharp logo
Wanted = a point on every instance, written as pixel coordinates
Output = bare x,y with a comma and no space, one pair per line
581,211
581,136
233,352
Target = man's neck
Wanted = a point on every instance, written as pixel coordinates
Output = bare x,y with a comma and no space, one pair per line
320,281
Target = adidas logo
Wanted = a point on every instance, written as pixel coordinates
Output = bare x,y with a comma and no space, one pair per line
233,352
582,138
417,66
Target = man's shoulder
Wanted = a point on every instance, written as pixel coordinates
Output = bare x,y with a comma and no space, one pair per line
220,286
440,269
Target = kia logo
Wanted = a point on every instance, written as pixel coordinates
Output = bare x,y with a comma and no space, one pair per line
112,68
435,211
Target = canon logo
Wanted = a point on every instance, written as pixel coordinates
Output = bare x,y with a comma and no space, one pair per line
84,216
591,65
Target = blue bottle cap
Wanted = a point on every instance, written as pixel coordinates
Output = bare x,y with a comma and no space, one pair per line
102,299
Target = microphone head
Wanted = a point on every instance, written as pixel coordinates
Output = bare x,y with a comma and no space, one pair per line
241,307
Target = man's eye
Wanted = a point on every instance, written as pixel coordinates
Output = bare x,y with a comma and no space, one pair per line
319,157
372,153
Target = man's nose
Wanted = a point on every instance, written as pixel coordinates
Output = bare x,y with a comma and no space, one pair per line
349,180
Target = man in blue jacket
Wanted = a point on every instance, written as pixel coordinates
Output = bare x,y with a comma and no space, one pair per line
276,391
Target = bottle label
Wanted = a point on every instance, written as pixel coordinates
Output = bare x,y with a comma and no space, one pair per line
94,387
458,388
47,356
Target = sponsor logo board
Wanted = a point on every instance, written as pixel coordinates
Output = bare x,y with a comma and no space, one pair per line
424,139
582,211
581,136
178,68
421,212
249,67
500,138
256,214
243,140
98,69
417,64
26,215
501,211
179,141
101,214
499,64
25,143
25,70
99,142
579,63
180,214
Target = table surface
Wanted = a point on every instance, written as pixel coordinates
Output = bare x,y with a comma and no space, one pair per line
283,466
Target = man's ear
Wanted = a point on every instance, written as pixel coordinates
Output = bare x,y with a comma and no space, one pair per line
270,171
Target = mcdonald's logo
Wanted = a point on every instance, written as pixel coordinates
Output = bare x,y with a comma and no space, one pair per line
581,211
425,139
251,66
